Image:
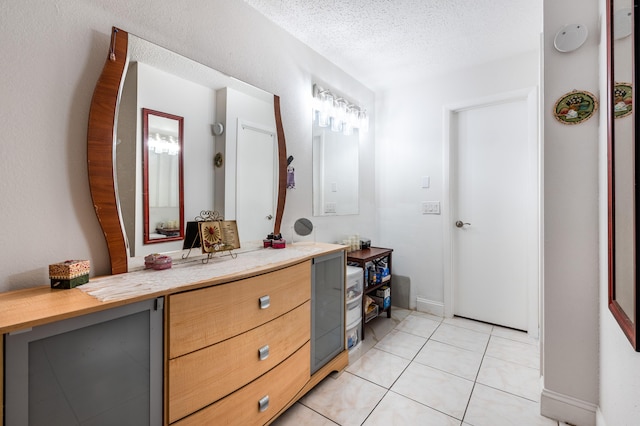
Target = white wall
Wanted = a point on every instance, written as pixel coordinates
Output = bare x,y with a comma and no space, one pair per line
409,139
570,313
53,53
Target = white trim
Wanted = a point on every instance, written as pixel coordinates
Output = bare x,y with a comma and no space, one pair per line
567,409
429,306
534,235
600,421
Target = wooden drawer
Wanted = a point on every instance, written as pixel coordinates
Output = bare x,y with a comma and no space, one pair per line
202,377
204,317
242,407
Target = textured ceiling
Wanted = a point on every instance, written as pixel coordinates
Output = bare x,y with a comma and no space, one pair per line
379,40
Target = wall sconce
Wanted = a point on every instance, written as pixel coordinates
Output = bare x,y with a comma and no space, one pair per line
337,113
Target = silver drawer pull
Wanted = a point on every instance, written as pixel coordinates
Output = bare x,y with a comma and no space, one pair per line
263,404
263,352
265,302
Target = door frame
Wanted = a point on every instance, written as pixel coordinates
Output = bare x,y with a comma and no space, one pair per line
534,233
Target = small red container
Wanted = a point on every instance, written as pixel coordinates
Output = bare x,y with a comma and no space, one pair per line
279,244
266,243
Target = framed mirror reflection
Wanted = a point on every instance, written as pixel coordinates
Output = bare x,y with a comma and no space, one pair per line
622,44
162,178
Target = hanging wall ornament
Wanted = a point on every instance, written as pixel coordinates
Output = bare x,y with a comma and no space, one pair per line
575,107
622,100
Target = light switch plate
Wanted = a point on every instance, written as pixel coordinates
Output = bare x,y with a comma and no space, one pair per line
431,207
425,181
330,207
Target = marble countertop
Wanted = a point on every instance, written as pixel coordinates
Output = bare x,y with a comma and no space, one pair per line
20,309
193,271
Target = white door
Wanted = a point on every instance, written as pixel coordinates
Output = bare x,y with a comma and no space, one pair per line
492,196
256,173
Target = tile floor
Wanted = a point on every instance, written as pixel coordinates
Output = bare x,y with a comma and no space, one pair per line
418,369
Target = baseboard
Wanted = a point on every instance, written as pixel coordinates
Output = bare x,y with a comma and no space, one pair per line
429,306
567,409
600,418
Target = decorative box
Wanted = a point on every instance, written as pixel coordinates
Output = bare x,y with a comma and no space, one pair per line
69,274
157,261
162,262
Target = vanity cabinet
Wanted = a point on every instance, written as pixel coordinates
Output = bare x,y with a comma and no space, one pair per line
224,337
235,348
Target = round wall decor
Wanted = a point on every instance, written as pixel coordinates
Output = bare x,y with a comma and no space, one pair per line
575,107
622,100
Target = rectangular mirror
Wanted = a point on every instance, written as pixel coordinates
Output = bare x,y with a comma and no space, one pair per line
622,167
335,172
163,192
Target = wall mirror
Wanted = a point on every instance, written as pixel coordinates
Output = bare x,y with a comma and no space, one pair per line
162,189
335,172
336,126
141,75
622,171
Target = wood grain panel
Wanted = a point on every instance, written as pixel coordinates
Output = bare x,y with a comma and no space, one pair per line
241,407
1,380
282,165
100,150
204,317
203,377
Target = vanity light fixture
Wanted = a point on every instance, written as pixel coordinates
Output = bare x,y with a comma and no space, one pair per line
162,143
338,113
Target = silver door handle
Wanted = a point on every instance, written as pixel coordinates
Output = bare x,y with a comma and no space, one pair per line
460,223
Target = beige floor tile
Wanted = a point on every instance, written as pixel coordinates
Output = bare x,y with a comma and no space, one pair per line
427,360
461,362
428,315
379,367
298,415
346,400
418,325
461,337
439,390
402,344
510,377
399,313
397,410
510,350
492,407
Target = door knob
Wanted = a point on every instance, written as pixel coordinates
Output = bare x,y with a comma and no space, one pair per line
461,224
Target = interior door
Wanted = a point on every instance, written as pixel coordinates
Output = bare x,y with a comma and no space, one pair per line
491,203
256,173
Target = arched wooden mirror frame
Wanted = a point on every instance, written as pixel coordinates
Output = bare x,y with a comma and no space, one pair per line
101,139
627,314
